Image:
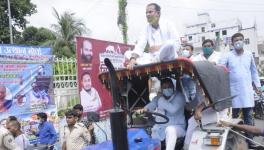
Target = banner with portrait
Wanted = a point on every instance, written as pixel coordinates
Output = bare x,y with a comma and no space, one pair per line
90,59
26,86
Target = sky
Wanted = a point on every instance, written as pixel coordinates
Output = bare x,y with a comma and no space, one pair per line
100,16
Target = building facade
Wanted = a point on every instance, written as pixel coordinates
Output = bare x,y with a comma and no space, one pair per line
220,32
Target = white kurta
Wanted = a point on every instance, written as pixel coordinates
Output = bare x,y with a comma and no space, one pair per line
90,100
209,115
166,34
243,72
214,57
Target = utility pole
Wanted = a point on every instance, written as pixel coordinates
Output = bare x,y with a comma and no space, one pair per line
10,22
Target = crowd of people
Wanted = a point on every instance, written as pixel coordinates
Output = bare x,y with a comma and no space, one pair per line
162,42
242,73
12,137
78,133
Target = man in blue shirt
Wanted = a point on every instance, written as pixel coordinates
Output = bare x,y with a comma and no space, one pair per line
171,103
46,131
243,73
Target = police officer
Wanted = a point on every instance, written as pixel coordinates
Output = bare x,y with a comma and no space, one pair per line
76,135
7,141
89,125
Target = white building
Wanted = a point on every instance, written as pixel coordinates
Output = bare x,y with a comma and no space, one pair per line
220,32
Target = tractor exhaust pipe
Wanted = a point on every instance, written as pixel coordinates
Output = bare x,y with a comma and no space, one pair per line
117,115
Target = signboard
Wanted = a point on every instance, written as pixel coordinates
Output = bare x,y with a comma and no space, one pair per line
90,58
26,86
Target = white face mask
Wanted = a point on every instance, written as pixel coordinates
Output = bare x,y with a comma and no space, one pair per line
38,121
185,53
238,45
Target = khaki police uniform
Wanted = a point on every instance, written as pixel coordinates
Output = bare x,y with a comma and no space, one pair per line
76,139
7,141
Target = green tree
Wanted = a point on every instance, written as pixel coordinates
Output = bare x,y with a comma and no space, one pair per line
67,28
121,20
37,36
19,10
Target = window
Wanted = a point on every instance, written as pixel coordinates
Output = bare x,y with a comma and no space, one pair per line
213,25
224,32
262,53
203,29
217,34
254,55
203,38
190,38
247,41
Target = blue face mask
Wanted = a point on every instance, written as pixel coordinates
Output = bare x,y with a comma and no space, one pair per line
207,51
185,53
168,92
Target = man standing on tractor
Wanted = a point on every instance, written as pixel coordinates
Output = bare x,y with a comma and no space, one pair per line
209,115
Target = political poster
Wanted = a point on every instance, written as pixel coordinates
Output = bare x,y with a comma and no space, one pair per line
90,59
26,86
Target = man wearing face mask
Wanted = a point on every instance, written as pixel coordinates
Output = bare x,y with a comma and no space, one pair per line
208,53
209,115
161,37
171,103
187,51
188,83
243,73
46,132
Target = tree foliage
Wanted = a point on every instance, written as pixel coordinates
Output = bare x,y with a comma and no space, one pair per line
121,20
37,36
67,28
19,10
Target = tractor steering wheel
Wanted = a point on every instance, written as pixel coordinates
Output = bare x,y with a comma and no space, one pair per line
150,120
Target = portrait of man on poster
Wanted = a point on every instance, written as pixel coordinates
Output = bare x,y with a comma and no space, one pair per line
87,51
90,98
5,102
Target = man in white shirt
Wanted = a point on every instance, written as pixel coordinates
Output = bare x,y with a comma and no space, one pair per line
7,141
209,115
208,53
75,134
20,139
90,98
159,35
